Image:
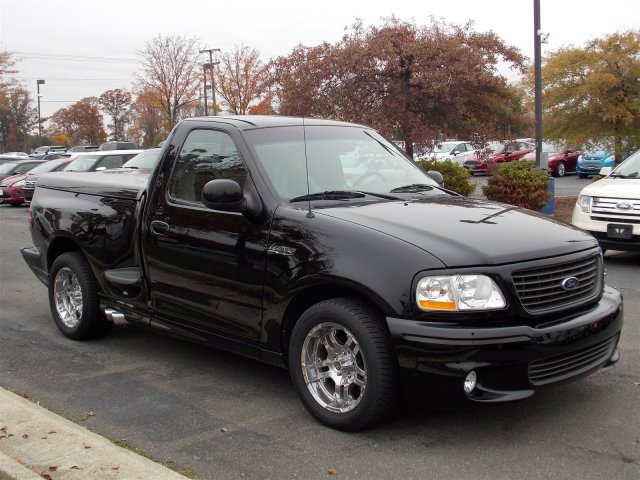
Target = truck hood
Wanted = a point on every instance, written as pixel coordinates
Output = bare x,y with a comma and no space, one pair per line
614,187
467,232
117,183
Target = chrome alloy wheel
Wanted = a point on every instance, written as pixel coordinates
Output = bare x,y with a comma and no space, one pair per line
68,297
333,367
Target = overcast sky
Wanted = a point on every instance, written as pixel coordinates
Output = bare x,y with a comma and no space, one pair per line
83,47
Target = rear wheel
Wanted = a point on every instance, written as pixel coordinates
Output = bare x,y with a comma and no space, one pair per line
561,169
73,298
342,364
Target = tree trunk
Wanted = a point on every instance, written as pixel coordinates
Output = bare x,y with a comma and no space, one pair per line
618,148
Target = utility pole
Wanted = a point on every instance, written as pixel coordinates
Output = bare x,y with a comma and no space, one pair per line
210,66
38,83
206,110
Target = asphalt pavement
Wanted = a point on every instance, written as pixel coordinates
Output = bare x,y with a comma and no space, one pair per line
213,415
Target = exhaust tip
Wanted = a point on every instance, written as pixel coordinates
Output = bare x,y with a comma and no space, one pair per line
115,316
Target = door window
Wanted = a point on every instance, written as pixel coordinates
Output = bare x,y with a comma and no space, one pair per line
205,155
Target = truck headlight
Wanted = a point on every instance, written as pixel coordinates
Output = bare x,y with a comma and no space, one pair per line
459,292
584,202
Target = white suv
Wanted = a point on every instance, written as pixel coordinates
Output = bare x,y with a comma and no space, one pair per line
609,209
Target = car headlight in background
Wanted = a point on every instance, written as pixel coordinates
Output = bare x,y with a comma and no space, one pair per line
19,184
584,202
580,158
458,293
609,159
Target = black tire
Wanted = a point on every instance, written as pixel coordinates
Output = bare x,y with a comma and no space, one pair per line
582,175
73,298
561,169
374,356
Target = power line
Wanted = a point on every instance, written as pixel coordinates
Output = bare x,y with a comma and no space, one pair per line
74,58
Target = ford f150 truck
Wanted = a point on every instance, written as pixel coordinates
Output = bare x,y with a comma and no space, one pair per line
319,246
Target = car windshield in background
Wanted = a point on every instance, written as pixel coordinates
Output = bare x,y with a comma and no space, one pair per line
630,168
82,164
7,168
339,159
146,159
444,147
46,167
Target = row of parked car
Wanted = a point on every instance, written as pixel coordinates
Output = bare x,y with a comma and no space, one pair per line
18,177
561,160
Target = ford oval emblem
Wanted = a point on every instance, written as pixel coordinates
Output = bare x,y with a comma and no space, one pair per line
624,206
570,283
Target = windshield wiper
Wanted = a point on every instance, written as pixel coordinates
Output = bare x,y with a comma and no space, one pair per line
413,188
329,195
620,175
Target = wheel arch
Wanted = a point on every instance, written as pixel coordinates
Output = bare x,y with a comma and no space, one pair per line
326,289
59,246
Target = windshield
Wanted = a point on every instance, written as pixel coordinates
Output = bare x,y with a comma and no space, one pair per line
46,167
7,167
82,163
146,159
444,147
338,158
630,167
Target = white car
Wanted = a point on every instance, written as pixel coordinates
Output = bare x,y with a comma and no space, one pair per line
609,209
457,152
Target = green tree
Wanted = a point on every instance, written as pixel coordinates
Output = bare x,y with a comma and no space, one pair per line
591,95
415,83
17,117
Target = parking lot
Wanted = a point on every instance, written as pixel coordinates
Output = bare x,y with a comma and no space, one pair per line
221,416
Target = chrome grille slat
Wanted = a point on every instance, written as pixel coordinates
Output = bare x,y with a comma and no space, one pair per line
540,289
558,368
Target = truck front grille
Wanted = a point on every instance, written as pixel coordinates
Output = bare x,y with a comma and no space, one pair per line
561,367
547,288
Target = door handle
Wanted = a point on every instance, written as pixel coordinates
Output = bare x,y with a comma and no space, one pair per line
158,227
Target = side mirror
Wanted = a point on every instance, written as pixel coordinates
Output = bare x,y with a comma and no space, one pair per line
437,177
604,171
223,194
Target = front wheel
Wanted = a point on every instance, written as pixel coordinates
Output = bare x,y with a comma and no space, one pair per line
342,364
561,169
73,298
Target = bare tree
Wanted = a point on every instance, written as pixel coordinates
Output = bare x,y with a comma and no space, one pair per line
241,79
172,71
117,104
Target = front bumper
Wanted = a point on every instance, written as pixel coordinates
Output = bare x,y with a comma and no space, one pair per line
510,362
597,225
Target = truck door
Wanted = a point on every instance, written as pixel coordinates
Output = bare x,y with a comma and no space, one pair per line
206,267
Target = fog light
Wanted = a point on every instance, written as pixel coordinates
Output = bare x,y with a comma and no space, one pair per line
615,356
470,381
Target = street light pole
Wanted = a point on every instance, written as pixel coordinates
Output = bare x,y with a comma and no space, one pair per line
38,83
537,55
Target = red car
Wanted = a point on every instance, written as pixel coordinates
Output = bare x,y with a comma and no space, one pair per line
498,152
562,160
11,188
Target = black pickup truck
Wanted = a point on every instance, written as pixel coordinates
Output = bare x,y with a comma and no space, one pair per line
319,246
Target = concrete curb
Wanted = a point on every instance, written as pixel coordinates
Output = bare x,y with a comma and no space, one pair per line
35,441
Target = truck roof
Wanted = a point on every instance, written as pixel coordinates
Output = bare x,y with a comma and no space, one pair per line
248,122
